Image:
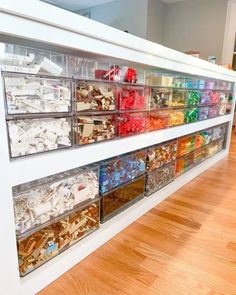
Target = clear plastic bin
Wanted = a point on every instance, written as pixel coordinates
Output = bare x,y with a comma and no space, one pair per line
205,97
158,119
40,201
121,169
218,132
94,128
200,155
21,59
178,98
39,247
81,68
222,109
132,98
186,145
34,95
121,198
159,98
131,123
179,82
223,97
184,164
213,148
191,115
192,83
203,113
159,178
176,117
160,155
32,136
95,96
203,138
214,111
193,97
209,84
157,79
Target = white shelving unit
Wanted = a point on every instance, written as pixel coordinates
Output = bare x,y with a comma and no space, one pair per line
34,22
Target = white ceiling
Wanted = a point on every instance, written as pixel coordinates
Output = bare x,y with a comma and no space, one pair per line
83,4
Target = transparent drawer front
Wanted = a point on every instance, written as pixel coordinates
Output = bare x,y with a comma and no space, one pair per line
159,98
200,155
159,178
191,115
29,95
213,148
80,68
178,98
119,199
158,119
214,111
132,98
131,124
223,97
176,117
203,138
193,97
38,202
32,61
193,83
186,145
39,247
179,82
156,79
120,170
92,96
218,132
209,84
222,109
158,156
32,136
94,128
205,97
184,164
203,113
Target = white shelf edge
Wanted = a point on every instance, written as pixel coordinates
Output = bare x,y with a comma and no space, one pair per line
63,160
50,271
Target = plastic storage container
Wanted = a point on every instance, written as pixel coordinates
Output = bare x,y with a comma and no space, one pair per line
179,82
35,95
200,155
38,247
159,178
191,115
158,119
176,117
157,79
122,197
21,59
186,145
222,109
203,113
40,201
121,169
213,148
218,132
95,96
203,138
131,123
160,155
209,84
159,98
132,98
205,97
178,98
184,164
214,111
192,83
32,136
81,68
94,128
193,97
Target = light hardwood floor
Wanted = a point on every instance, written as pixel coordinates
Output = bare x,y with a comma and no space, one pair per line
184,246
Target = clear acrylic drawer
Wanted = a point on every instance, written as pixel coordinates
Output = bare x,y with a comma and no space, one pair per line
94,128
32,136
132,98
40,201
176,117
178,98
35,95
203,138
200,155
184,164
121,198
95,96
158,119
186,145
121,169
131,123
159,98
159,178
39,247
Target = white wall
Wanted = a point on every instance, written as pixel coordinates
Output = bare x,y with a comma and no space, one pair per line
196,25
130,15
156,14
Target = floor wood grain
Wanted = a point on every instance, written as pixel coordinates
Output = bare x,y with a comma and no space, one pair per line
184,246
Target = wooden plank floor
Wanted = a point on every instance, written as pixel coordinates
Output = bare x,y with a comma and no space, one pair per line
184,246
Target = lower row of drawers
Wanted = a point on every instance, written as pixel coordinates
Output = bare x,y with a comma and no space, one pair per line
40,246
